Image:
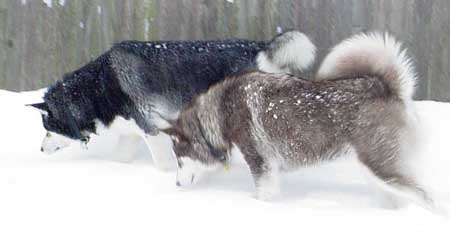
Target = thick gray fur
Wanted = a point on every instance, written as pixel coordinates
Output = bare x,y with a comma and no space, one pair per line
281,123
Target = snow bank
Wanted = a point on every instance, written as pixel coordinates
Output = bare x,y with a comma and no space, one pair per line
90,190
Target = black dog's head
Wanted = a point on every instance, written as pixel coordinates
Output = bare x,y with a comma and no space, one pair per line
64,118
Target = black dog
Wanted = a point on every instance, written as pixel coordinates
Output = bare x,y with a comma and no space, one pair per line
134,80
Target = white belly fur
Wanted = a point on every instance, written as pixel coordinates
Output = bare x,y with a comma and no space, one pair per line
129,133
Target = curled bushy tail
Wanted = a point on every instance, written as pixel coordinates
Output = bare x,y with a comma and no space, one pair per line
291,51
372,54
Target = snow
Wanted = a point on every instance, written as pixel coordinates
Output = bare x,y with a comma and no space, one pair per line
94,190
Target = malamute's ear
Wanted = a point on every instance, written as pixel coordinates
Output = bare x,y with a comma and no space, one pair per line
42,107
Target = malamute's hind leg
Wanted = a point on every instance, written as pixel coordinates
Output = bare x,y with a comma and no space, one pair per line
392,176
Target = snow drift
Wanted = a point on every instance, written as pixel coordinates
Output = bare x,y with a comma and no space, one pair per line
96,190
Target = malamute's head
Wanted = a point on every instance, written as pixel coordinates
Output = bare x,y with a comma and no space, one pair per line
194,152
64,119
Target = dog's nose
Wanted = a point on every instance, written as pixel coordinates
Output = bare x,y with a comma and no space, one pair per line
42,149
178,184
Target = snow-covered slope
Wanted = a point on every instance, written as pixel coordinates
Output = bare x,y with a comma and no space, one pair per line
90,190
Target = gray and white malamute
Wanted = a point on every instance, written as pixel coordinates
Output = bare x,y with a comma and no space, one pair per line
127,85
360,101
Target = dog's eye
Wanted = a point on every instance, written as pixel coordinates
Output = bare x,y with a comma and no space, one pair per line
48,135
222,158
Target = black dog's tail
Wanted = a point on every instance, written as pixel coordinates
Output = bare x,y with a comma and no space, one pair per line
290,51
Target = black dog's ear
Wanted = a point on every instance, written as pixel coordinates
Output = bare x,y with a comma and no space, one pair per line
42,107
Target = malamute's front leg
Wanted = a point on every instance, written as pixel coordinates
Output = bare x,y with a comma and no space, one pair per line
161,148
264,172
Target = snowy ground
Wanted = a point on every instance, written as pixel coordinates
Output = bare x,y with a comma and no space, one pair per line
91,190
